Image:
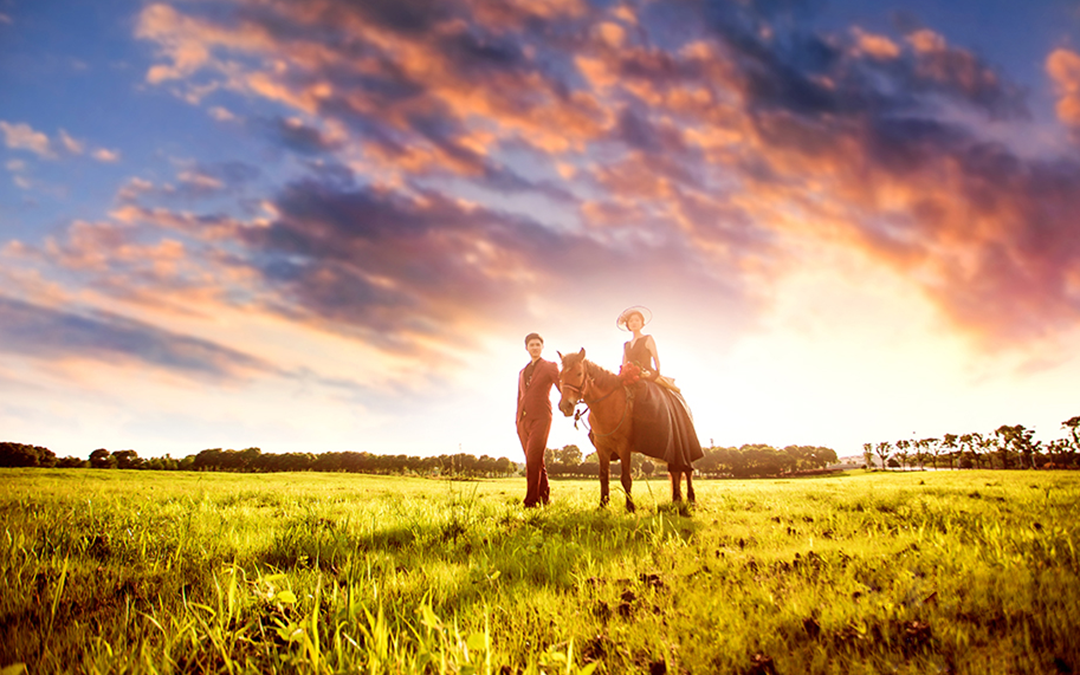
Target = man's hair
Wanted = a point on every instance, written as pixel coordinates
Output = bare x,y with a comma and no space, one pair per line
532,336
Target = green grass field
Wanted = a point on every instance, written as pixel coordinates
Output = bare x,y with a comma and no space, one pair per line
144,572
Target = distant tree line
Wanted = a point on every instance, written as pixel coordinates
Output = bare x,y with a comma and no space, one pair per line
1007,447
758,460
254,460
21,454
745,461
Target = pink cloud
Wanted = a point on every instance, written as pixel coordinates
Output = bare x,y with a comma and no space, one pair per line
22,136
1063,67
105,155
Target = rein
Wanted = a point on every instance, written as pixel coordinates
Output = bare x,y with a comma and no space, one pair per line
586,379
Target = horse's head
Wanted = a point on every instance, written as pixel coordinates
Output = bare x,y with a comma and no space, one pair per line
571,381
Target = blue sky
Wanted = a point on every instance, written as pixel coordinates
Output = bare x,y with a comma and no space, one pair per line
327,226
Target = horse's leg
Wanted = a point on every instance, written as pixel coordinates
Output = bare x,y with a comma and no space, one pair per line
627,480
676,485
605,473
690,486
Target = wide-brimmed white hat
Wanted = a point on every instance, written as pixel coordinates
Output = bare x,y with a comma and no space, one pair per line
646,316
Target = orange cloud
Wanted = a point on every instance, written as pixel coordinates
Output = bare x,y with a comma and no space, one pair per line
879,46
180,38
1063,67
926,41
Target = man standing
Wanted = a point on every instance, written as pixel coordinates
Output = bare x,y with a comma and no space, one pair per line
534,418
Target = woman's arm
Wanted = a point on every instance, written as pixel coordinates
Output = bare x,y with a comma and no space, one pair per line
650,343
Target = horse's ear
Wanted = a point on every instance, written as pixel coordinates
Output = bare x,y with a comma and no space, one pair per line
559,353
582,352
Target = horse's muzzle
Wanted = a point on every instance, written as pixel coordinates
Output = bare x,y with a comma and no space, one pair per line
567,406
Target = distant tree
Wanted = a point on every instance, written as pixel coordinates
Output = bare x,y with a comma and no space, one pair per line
986,445
485,466
902,453
759,459
1005,435
800,456
977,446
1031,448
102,459
20,454
933,447
922,451
717,461
466,464
808,457
883,449
949,441
1060,452
826,456
1017,439
568,455
71,463
249,458
967,460
166,463
647,468
966,443
868,455
208,460
1073,425
503,466
127,459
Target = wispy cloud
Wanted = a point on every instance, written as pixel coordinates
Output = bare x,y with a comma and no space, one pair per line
105,155
46,333
21,136
194,182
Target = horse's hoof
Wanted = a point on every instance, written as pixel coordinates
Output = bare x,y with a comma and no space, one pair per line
630,507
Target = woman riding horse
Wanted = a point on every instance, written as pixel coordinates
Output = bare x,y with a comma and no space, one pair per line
640,351
628,413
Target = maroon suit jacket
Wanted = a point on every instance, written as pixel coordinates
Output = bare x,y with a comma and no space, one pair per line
534,396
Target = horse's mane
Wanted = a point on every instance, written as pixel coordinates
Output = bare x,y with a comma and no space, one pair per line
603,378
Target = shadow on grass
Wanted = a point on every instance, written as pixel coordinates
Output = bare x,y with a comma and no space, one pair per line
546,546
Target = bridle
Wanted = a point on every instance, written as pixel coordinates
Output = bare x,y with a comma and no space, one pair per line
586,381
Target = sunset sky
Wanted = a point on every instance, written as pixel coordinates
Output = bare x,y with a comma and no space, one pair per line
328,225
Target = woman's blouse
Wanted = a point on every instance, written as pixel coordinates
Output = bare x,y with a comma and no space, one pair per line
638,352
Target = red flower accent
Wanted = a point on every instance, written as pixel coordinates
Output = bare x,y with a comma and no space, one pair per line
630,374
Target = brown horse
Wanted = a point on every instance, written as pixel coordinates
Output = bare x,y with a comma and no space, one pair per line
610,405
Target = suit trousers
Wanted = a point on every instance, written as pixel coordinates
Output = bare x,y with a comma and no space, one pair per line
533,433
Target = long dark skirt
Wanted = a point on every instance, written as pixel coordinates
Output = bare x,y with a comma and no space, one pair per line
664,426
